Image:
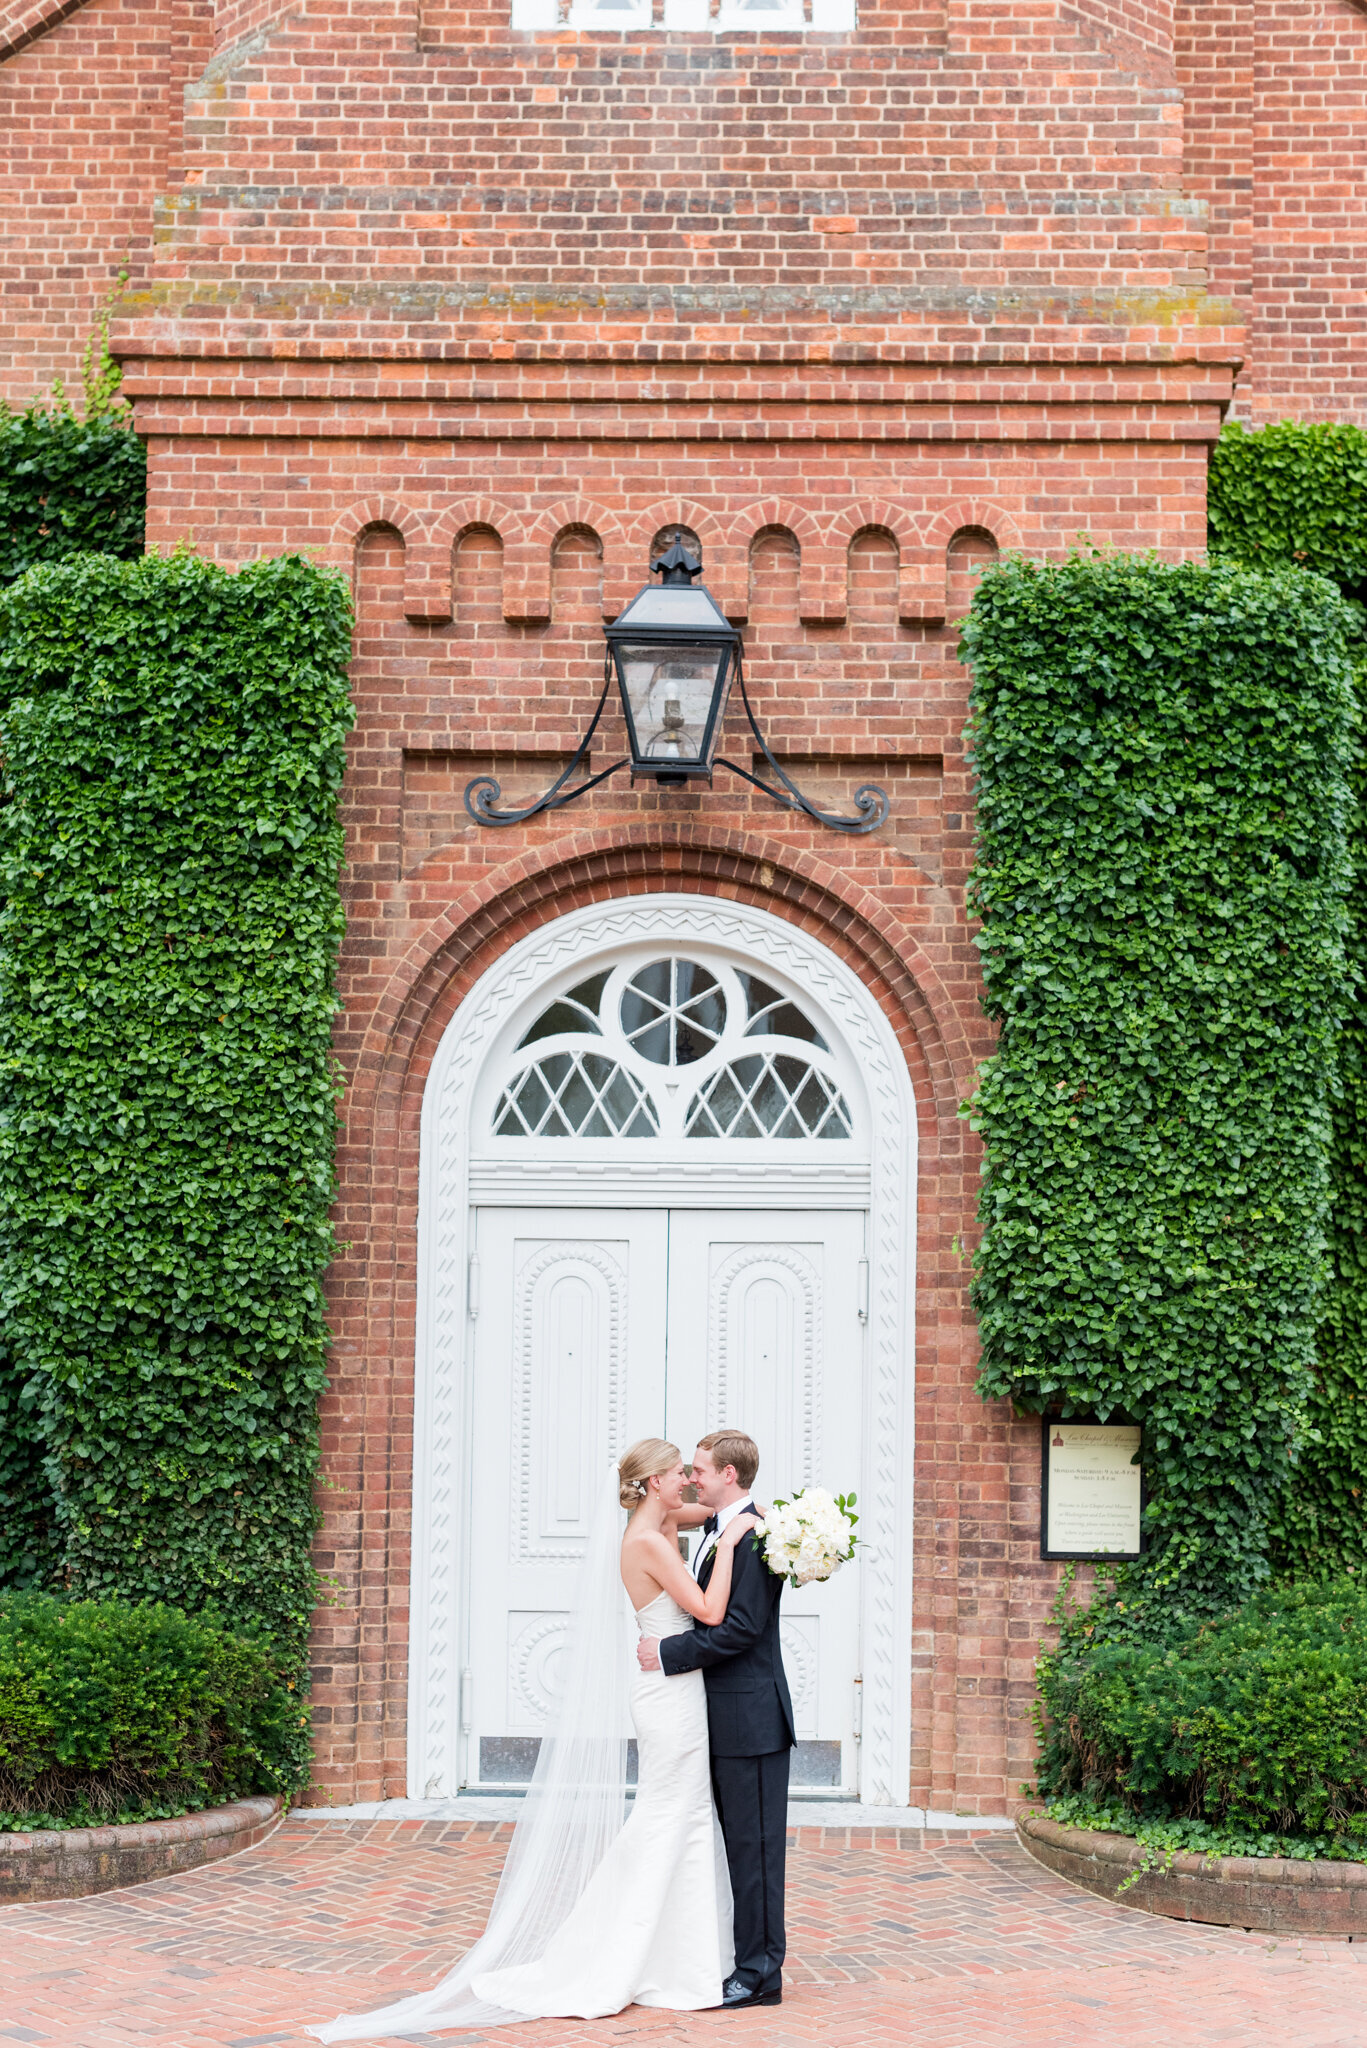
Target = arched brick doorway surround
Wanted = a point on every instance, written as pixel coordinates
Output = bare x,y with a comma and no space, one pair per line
361,1658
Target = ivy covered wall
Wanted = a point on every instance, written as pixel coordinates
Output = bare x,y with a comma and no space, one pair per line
1163,754
72,485
172,739
1294,494
68,486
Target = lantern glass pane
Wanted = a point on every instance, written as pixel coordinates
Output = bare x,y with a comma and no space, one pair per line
670,690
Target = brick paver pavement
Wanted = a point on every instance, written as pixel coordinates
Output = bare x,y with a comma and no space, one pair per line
897,1938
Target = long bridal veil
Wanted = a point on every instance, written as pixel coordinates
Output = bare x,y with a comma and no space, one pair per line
576,1805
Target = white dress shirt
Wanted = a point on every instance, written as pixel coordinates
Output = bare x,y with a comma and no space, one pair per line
709,1543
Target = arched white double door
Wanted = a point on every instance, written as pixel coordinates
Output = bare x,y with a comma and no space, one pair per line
666,1168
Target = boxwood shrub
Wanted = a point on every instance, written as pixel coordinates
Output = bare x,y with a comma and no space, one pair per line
1251,1729
115,1712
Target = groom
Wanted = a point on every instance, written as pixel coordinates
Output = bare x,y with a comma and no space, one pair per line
749,1718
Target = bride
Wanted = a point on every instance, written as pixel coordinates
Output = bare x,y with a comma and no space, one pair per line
597,1910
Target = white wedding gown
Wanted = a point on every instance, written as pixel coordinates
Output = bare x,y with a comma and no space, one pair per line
654,1925
601,1903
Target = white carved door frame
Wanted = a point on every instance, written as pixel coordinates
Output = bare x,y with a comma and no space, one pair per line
442,1390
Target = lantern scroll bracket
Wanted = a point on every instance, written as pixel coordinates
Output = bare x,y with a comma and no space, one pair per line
483,793
674,656
870,802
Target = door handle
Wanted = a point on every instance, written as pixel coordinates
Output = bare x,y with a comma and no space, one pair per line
863,1290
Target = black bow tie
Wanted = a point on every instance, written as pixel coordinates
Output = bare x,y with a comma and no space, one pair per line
709,1527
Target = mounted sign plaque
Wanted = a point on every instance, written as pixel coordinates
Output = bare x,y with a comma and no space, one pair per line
1091,1490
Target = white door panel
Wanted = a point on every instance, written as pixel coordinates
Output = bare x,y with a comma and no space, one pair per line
568,1362
765,1336
600,1326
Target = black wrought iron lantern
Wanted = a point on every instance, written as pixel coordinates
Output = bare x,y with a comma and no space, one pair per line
674,657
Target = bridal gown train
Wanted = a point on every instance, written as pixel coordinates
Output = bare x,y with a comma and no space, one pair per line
653,1926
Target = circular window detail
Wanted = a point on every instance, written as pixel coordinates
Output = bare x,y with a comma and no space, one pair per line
673,1012
768,1095
574,1095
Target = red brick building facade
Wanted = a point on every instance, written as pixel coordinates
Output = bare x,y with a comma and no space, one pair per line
478,300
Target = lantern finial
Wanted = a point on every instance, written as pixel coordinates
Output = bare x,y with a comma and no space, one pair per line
676,565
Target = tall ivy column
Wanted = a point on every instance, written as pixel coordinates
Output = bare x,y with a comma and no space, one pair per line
1289,494
172,738
1162,754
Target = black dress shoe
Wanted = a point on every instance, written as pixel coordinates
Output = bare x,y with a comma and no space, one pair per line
736,1993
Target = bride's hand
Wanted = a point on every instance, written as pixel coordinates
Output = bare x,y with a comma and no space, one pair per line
734,1530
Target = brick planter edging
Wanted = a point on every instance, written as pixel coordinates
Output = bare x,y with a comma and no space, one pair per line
58,1863
1273,1894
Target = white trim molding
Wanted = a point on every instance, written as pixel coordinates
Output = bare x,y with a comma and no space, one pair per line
449,1181
668,1182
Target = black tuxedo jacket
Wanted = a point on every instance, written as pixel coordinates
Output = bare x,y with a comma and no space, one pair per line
749,1711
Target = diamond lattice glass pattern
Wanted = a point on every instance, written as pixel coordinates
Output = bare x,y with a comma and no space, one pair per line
769,1095
673,1012
574,1095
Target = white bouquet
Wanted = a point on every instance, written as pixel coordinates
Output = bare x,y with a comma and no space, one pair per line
808,1537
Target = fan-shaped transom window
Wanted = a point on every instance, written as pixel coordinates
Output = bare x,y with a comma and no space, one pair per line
674,1047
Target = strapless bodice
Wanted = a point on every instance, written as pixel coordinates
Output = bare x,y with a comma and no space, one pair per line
662,1617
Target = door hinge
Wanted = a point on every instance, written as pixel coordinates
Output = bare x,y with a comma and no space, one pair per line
859,1709
467,1701
472,1287
863,1290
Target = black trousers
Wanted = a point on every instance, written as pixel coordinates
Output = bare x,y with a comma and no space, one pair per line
752,1804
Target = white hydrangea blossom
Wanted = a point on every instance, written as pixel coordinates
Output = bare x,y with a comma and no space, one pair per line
808,1538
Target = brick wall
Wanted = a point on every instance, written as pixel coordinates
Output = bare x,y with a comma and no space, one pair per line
981,175
1309,232
1276,145
90,137
775,179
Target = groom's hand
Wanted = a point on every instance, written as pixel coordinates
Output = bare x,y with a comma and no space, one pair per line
648,1653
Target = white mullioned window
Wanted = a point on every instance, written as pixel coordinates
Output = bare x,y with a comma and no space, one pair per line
676,1047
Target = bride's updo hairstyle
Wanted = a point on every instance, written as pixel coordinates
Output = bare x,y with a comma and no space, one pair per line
645,1460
